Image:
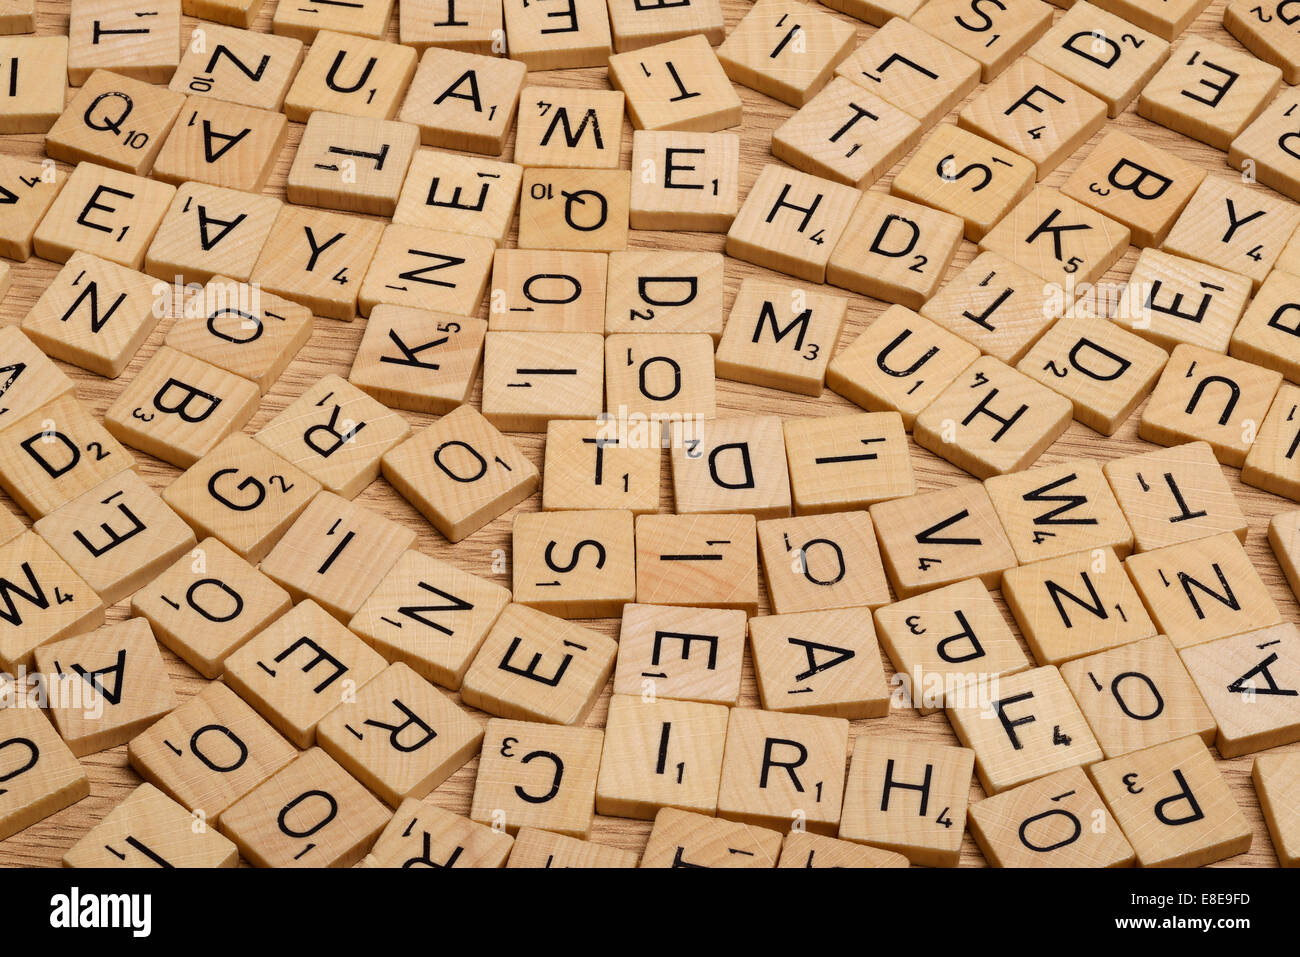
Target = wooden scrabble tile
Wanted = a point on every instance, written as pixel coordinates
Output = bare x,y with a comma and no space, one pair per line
1173,804
115,121
353,75
421,835
944,642
1274,777
533,667
431,616
335,433
411,264
1056,821
26,191
149,829
1167,21
1209,92
30,380
926,825
105,213
126,686
894,250
698,188
590,465
1271,463
1038,729
661,376
460,194
939,538
367,18
574,209
211,231
953,165
243,330
1170,300
18,16
1036,113
847,461
310,257
209,752
691,654
686,839
820,562
1058,238
474,26
336,553
242,494
532,377
299,669
1075,605
819,662
137,38
1248,682
908,67
44,777
476,473
708,560
731,465
801,849
535,848
636,25
993,39
868,373
595,580
1101,52
1059,509
94,314
178,407
663,291
239,66
846,134
400,736
356,164
992,420
310,813
1202,590
32,571
783,769
117,536
37,68
1174,495
1268,332
240,13
677,85
405,339
786,49
52,455
1263,155
790,221
753,347
537,290
1209,397
558,34
1135,183
537,775
660,753
1229,225
464,101
568,127
1284,538
995,305
206,605
223,144
1265,30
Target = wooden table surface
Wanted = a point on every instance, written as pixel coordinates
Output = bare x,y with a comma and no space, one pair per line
334,342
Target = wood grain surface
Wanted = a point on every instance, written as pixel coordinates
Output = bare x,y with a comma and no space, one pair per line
333,344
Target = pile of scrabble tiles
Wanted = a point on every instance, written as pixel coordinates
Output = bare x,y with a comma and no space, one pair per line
259,581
